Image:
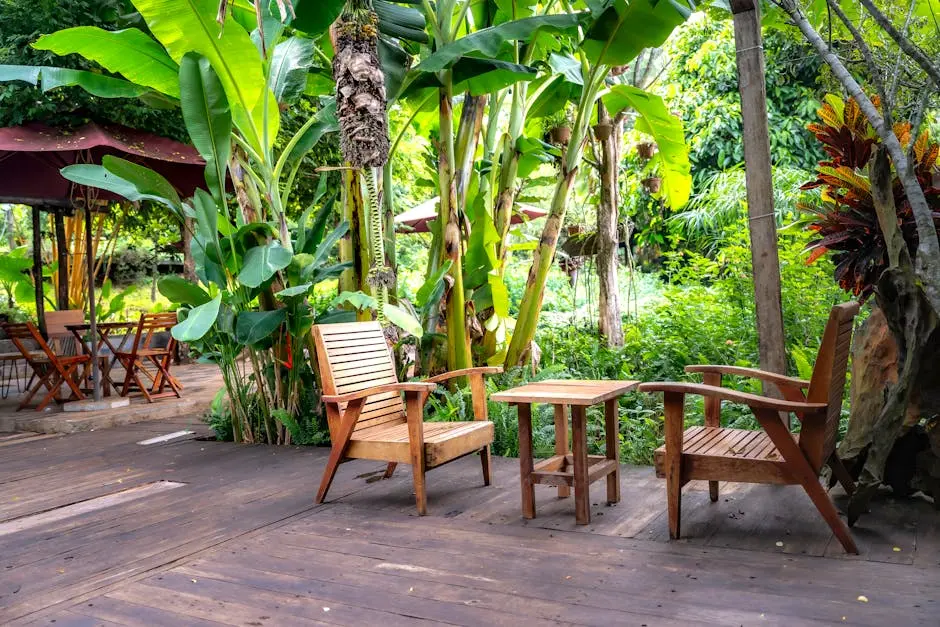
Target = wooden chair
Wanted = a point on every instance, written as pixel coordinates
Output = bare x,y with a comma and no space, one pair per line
59,337
143,350
51,370
366,416
772,455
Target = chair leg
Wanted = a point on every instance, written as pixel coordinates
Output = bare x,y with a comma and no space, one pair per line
674,410
841,473
485,462
128,376
713,491
390,470
340,444
801,470
53,391
332,464
829,513
68,380
421,494
43,380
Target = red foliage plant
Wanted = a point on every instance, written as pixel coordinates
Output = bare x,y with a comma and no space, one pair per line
843,215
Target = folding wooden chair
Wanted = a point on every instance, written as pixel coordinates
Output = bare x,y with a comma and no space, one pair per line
368,420
51,370
774,454
143,351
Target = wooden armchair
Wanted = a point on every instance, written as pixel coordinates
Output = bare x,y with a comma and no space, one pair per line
774,454
366,416
51,369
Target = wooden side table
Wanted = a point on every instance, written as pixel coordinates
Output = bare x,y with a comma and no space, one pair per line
574,468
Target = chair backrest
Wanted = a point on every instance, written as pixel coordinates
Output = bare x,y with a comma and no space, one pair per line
828,382
60,338
56,321
21,331
355,356
149,324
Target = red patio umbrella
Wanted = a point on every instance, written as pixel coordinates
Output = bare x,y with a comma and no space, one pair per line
416,219
32,155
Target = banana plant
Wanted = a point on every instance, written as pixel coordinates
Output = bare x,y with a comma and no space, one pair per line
616,33
478,53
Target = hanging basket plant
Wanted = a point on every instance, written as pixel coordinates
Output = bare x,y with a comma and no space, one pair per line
652,184
646,150
560,135
602,131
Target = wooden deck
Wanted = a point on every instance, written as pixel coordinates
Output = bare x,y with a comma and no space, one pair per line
200,381
240,542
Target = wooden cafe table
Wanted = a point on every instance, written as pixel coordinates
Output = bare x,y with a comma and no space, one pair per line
573,468
106,336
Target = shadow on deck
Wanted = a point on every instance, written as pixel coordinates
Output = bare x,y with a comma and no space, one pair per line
236,539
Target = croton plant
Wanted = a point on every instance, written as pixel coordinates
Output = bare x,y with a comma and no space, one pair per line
843,214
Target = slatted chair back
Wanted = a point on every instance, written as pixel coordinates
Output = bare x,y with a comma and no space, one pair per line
60,338
828,383
151,323
355,356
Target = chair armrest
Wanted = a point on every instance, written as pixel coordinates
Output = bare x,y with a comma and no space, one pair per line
410,386
464,372
754,373
751,400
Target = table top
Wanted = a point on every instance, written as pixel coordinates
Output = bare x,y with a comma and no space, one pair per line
566,392
101,325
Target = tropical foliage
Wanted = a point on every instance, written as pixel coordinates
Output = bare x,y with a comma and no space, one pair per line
843,213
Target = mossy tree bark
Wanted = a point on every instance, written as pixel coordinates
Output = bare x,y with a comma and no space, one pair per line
608,303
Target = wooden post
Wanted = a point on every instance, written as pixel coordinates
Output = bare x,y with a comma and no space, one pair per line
92,313
62,256
37,269
760,206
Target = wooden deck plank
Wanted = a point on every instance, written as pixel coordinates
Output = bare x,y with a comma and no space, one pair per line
245,527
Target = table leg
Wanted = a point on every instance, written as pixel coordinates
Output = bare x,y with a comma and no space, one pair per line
612,431
561,441
525,460
582,495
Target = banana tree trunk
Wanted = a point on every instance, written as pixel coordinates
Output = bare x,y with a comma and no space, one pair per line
468,138
458,346
509,169
388,231
542,259
354,246
609,322
531,305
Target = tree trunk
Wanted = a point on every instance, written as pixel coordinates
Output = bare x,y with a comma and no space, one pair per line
610,324
37,269
916,329
189,263
11,227
62,257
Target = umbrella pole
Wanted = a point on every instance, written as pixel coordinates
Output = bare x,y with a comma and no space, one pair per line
92,313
